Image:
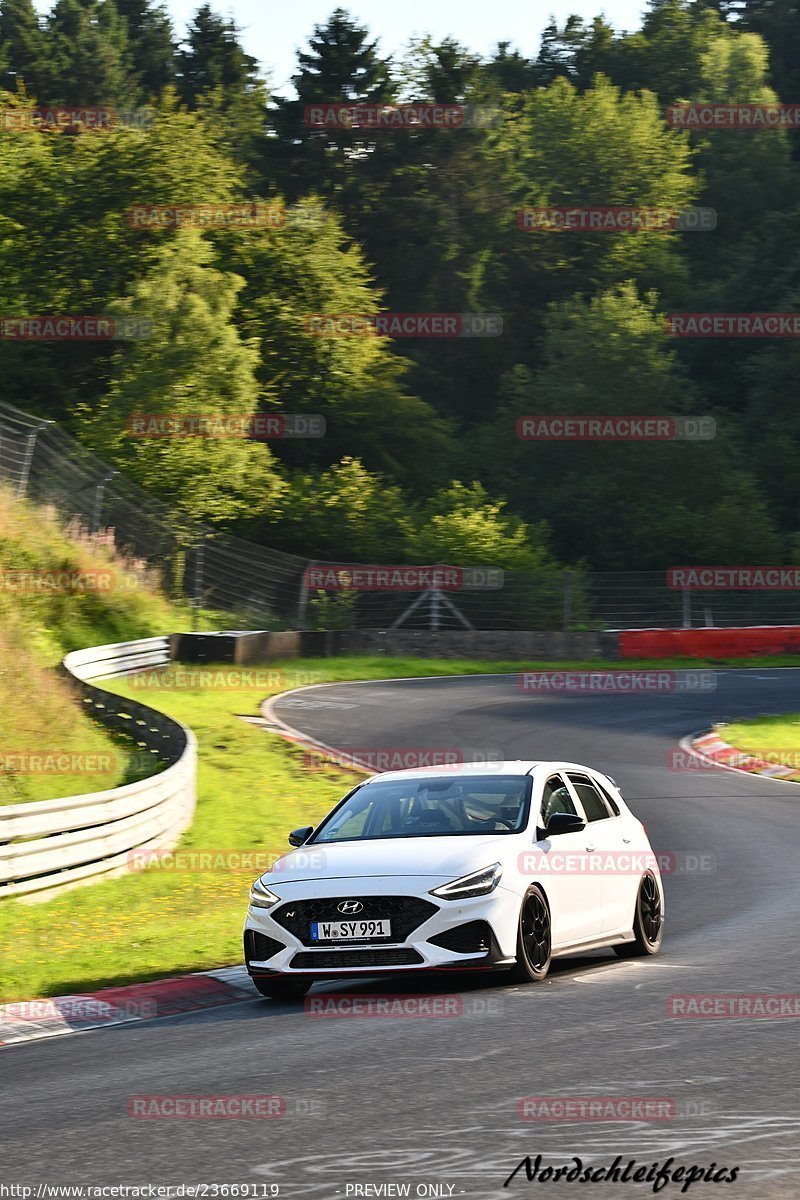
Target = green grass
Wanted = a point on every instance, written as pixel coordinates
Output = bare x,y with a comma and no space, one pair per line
380,666
776,739
38,625
253,788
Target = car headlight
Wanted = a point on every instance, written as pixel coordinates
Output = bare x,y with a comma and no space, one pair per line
261,896
477,883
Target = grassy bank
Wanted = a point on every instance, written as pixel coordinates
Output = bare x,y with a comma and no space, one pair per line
776,739
48,747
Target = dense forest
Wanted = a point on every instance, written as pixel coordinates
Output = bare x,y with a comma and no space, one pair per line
421,460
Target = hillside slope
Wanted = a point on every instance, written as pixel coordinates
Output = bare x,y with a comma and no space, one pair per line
62,589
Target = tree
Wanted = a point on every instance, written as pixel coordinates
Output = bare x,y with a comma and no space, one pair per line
307,269
778,22
341,66
219,79
343,514
749,179
508,70
463,524
666,55
195,364
445,73
620,505
86,55
151,46
21,45
66,245
212,58
558,50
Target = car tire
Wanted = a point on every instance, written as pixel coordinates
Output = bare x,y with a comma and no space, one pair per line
648,921
282,987
534,938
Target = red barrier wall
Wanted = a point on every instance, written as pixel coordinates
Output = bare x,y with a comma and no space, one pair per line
709,643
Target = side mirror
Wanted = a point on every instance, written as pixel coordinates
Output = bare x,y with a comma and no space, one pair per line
564,823
299,836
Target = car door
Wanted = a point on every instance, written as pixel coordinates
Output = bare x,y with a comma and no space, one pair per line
575,894
608,840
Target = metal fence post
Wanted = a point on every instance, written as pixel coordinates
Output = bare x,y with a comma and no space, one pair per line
435,609
30,447
98,500
302,600
686,595
567,601
199,555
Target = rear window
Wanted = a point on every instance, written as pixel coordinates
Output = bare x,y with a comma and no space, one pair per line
594,804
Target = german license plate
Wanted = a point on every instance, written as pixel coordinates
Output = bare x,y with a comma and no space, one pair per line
349,931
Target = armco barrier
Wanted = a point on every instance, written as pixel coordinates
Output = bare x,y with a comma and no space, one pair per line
49,844
249,648
716,643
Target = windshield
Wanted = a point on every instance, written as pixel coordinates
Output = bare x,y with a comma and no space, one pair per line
392,808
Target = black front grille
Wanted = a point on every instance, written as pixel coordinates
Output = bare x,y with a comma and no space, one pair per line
355,958
258,947
405,912
473,938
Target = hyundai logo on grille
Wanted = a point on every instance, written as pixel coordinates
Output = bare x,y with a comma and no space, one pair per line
350,906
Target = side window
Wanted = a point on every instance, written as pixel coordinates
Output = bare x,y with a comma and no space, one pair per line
609,799
555,799
593,803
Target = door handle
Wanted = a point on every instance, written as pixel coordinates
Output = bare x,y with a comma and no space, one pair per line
627,841
590,848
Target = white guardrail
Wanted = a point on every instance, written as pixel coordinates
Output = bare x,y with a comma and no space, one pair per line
49,844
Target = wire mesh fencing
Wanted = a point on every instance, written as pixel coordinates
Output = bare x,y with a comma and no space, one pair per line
257,587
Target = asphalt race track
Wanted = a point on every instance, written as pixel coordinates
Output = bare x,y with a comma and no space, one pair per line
435,1102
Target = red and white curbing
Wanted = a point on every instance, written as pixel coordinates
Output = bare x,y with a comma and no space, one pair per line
711,747
26,1020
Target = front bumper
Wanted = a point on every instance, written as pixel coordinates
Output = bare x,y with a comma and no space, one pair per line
428,933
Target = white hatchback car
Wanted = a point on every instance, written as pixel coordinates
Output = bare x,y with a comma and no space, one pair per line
467,867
